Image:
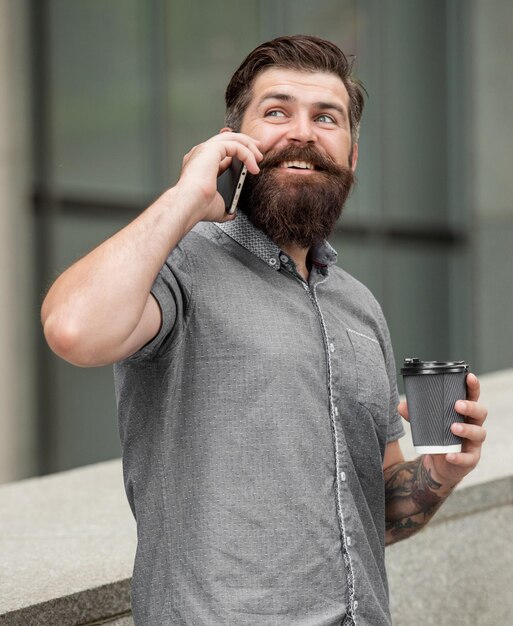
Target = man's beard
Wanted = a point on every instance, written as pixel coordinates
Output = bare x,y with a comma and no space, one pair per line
295,208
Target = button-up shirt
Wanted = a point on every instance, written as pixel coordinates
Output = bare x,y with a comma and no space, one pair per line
253,429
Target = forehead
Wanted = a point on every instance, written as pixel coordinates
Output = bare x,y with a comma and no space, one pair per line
303,86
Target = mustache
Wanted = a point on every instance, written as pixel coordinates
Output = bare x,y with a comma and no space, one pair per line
321,162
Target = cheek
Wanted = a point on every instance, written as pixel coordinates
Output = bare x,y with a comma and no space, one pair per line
341,152
272,141
270,136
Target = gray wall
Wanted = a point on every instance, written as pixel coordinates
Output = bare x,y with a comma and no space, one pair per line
492,158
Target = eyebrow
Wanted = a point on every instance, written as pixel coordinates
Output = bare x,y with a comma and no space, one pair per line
284,97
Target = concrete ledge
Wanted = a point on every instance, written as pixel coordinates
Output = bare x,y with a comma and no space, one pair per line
459,569
78,609
476,499
67,544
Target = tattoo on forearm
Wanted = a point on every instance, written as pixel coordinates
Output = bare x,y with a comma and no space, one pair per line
412,497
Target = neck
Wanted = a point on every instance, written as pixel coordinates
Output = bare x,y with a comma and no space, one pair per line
300,257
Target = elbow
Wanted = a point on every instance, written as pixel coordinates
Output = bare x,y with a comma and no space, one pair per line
66,340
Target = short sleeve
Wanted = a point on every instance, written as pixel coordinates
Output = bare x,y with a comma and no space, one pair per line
172,289
395,422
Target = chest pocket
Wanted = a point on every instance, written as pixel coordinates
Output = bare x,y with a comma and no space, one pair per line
372,380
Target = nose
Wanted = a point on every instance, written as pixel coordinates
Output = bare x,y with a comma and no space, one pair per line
302,130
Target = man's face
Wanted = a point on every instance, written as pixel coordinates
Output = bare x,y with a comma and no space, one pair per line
301,108
302,122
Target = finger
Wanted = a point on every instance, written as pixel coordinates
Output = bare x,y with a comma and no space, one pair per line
228,217
470,432
467,460
402,409
243,153
225,164
473,387
472,411
232,135
246,140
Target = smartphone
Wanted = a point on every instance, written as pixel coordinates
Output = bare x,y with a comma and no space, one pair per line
229,184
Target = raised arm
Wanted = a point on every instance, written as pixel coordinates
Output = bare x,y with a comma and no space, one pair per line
415,490
100,310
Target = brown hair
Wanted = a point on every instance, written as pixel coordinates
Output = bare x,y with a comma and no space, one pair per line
297,52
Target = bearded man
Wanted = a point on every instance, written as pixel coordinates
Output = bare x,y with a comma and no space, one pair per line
255,379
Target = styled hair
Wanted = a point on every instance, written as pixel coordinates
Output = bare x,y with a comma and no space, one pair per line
297,52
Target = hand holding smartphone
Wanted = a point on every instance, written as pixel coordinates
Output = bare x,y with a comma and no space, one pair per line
229,184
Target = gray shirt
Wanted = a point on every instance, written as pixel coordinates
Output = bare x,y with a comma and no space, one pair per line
253,430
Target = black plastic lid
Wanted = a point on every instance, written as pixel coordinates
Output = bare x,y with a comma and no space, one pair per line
414,366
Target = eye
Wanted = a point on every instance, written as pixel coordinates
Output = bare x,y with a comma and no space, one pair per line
324,118
275,113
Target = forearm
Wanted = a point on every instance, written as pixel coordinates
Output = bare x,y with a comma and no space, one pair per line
412,497
93,307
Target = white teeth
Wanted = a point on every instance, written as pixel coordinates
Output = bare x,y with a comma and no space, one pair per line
299,164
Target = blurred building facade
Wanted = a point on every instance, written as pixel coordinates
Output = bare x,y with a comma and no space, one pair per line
100,99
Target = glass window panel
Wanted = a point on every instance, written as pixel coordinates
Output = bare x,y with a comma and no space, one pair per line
493,296
362,257
401,59
84,421
99,96
366,201
417,300
334,20
414,104
206,42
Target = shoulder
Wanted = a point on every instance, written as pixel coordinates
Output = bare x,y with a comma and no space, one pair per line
203,241
199,247
354,292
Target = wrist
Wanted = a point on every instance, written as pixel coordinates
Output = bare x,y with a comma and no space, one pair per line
184,208
446,484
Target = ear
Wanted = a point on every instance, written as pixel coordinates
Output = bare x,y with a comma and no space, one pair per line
225,129
354,159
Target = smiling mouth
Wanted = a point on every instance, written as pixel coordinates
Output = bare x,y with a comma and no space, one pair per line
297,165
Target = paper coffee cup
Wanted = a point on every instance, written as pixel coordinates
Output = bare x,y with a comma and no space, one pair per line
432,389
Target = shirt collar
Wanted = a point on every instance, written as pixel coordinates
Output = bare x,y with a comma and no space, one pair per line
245,233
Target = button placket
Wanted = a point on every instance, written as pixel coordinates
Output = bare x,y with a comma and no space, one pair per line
339,455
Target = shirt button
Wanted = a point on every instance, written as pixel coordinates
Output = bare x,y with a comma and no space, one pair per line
343,477
272,261
335,410
332,347
349,541
284,258
355,605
